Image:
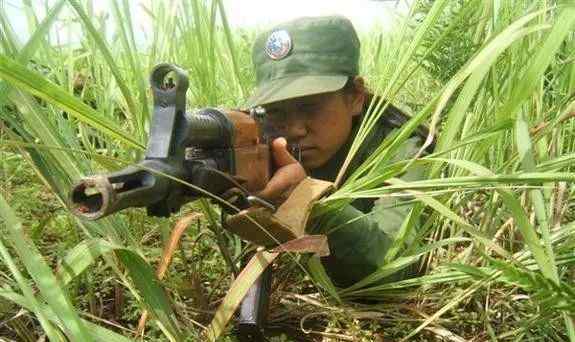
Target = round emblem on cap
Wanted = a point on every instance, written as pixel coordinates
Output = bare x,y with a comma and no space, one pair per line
278,45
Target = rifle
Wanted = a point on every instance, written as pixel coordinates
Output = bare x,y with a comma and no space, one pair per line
210,153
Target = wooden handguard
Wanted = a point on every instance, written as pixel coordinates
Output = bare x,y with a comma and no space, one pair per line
266,228
251,154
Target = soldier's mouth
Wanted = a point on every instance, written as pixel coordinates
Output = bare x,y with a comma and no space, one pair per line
307,152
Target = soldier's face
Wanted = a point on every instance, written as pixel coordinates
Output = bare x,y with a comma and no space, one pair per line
320,124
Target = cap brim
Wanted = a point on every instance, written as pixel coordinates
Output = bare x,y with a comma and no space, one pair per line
292,87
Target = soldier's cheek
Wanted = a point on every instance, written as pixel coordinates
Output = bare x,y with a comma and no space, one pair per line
311,158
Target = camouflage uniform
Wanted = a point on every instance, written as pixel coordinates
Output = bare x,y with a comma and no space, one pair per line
359,247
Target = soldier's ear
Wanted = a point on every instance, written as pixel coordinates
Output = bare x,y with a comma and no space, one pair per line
358,96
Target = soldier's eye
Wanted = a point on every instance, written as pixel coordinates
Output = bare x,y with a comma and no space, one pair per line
308,107
277,120
275,114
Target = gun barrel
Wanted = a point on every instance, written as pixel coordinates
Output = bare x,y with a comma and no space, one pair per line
101,195
209,128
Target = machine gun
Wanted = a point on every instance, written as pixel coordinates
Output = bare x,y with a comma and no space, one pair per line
206,153
223,155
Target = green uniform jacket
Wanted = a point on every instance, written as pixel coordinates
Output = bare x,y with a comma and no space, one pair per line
358,248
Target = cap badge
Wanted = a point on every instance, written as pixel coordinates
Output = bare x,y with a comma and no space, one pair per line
278,45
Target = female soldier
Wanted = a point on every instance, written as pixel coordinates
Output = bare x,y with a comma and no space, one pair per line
308,82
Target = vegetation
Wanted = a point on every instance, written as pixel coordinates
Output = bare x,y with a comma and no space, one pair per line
495,81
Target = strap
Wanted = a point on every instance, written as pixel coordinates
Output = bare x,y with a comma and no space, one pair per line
395,117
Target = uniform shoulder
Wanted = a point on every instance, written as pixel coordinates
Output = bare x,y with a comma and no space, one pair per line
394,118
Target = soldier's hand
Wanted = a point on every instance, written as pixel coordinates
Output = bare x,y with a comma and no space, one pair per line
289,173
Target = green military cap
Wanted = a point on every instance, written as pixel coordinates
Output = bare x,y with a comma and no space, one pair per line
305,56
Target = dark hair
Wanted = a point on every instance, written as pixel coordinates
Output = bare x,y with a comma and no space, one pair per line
349,85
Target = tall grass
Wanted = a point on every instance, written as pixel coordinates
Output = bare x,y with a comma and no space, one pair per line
495,80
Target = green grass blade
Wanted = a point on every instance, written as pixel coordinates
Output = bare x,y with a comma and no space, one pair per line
320,277
450,215
400,264
231,47
562,27
154,298
43,276
477,68
20,77
130,49
528,161
237,292
98,333
527,178
146,282
399,71
81,257
34,306
153,295
107,54
37,40
34,42
8,38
